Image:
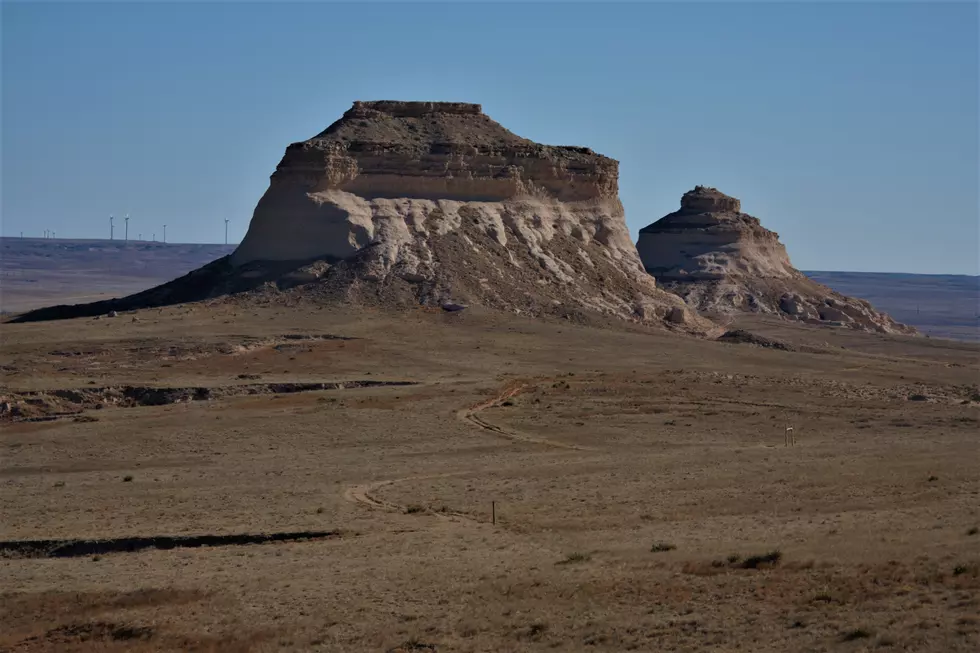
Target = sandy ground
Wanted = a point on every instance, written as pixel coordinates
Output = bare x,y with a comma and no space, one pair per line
635,479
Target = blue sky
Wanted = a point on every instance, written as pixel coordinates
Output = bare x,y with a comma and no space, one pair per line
849,128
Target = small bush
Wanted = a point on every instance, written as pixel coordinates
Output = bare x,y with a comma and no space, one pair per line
661,547
857,633
933,479
959,570
754,562
535,630
973,531
412,645
127,479
575,558
413,509
733,558
918,397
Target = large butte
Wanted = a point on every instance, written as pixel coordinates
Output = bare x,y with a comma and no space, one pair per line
409,203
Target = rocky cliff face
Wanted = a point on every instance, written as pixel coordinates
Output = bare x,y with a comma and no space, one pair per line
421,151
435,202
408,203
722,260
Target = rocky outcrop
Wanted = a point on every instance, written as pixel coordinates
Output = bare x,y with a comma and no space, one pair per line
388,168
407,203
721,260
435,202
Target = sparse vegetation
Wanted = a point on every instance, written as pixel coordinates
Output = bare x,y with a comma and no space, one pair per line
574,558
959,570
586,529
413,645
857,633
534,631
766,559
128,478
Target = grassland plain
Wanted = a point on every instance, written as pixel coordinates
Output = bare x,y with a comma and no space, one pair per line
642,493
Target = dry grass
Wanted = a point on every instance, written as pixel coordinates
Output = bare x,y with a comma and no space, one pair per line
616,444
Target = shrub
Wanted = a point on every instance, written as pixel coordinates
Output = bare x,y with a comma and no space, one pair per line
857,633
661,547
574,558
754,562
959,570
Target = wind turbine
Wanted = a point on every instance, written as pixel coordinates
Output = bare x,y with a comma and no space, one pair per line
111,227
226,231
164,233
127,227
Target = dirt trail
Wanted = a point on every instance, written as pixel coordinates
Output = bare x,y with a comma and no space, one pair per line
362,494
510,390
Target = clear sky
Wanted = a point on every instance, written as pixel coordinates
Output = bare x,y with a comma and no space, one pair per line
849,128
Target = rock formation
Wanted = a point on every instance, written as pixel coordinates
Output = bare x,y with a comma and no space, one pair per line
434,203
722,260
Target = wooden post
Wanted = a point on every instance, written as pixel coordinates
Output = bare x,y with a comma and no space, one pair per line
493,512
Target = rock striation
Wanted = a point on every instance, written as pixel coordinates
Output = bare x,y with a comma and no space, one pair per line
721,260
408,203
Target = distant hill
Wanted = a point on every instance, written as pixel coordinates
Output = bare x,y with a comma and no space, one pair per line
939,305
36,272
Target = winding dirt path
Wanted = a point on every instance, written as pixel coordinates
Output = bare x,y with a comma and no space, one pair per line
510,390
365,494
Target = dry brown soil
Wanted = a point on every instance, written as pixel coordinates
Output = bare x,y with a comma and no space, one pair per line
636,479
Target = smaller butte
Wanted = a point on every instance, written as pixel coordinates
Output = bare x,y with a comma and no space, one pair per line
720,260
